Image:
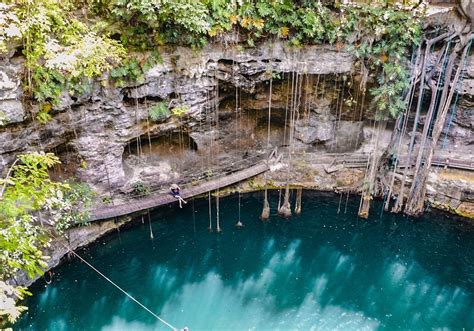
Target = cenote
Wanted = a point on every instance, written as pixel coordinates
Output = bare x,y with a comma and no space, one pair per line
320,270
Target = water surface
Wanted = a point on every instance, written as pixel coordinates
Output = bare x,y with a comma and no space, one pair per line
320,270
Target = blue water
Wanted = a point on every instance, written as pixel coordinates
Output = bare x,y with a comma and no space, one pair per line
317,271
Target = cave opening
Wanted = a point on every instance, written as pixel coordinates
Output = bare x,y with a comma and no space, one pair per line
171,152
326,104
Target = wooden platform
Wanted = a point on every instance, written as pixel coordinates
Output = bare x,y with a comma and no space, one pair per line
159,199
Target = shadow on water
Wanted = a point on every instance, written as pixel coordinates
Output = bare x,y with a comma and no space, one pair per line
319,269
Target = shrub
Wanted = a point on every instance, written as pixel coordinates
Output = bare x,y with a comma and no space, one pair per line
140,189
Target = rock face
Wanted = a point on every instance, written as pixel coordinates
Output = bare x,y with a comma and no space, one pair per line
11,108
452,190
99,125
314,131
461,121
105,125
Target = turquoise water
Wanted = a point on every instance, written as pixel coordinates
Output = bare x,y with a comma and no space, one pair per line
317,271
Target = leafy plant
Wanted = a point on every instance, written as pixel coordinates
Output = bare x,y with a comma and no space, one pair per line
27,193
9,27
59,47
43,117
9,295
133,69
180,111
130,70
70,206
159,111
140,189
385,35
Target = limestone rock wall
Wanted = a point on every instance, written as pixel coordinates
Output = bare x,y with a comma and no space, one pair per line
11,70
98,127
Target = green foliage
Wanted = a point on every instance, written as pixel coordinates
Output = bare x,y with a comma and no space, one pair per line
9,27
140,189
70,207
144,23
43,117
384,37
380,36
133,69
159,111
29,186
9,295
64,53
59,48
28,197
180,111
130,70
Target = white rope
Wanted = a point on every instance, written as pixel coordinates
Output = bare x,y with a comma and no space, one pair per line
122,290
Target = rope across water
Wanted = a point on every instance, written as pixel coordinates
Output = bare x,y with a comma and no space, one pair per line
121,289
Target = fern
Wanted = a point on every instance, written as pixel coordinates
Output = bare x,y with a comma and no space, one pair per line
159,111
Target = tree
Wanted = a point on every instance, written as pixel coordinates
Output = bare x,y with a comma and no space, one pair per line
26,193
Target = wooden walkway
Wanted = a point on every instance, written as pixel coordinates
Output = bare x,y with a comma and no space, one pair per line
359,160
159,198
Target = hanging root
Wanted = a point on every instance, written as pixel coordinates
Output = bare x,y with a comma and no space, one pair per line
218,225
371,176
299,193
239,224
416,198
285,209
418,76
266,208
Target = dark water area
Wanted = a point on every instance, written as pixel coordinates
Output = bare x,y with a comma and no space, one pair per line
317,271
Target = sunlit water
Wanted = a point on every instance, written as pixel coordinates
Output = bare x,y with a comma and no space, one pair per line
318,271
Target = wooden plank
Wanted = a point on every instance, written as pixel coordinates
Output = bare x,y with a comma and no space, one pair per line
160,199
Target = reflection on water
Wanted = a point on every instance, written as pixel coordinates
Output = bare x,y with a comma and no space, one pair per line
318,271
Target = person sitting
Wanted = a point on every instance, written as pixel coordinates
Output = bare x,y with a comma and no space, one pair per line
175,192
